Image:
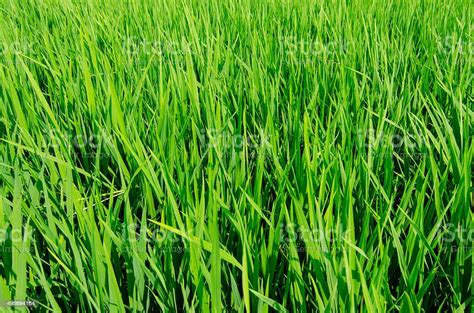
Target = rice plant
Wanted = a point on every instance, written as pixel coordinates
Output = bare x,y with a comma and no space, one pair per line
236,156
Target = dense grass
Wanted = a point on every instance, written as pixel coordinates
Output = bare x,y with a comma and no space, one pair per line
237,155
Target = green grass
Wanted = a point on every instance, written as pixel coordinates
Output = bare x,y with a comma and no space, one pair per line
237,156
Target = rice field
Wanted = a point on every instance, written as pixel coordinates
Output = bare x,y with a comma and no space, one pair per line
236,156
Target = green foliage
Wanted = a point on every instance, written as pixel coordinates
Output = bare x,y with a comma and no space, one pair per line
237,156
